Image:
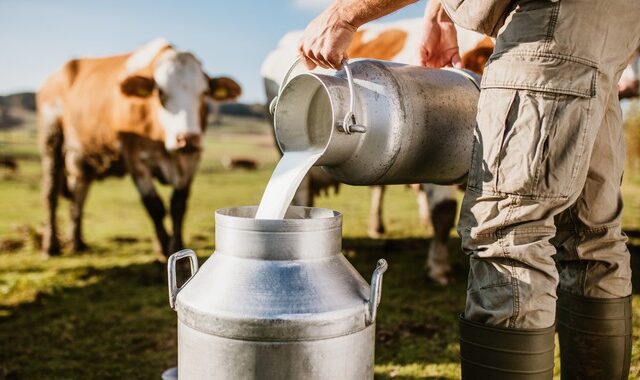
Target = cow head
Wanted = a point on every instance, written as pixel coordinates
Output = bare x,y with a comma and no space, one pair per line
178,89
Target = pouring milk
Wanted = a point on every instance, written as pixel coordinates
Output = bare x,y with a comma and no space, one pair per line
284,182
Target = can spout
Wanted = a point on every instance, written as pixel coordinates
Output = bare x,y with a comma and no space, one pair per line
376,290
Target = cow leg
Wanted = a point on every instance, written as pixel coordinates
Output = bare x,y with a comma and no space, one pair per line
78,181
79,187
376,225
423,204
443,215
155,208
51,141
178,209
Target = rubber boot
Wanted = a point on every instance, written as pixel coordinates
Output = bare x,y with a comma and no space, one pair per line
495,353
595,337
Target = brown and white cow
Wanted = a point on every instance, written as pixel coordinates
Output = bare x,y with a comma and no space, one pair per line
397,41
141,113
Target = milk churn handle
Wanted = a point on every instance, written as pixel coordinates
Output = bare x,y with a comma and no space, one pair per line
349,124
171,273
376,291
274,102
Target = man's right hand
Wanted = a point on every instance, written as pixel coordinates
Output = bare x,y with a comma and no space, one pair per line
325,41
439,47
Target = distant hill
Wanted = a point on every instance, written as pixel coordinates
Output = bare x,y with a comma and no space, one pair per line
256,110
23,100
14,109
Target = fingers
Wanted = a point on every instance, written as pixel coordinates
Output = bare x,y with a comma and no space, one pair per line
456,61
311,58
423,56
345,57
308,59
309,64
316,60
334,60
441,58
325,59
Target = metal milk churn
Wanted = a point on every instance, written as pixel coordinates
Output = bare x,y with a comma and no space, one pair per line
380,122
277,300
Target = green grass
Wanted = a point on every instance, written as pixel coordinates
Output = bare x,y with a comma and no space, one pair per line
105,314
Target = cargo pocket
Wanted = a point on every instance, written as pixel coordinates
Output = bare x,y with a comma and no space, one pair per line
532,126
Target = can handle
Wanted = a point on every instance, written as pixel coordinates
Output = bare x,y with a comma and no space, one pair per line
349,124
376,291
171,273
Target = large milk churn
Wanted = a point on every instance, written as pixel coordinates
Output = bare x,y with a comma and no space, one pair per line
380,122
277,300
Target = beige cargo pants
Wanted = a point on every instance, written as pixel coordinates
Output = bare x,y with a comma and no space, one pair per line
542,206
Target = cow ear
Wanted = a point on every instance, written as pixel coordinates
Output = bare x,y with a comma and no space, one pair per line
138,86
223,88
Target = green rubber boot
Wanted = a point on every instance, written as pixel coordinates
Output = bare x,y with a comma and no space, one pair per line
595,337
494,353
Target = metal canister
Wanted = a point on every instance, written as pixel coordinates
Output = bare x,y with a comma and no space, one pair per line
381,122
277,300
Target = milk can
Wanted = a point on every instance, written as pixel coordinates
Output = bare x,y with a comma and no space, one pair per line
277,300
380,122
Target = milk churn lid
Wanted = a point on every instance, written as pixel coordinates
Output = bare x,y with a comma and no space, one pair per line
285,296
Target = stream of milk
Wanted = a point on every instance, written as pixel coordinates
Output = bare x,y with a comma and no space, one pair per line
284,182
308,144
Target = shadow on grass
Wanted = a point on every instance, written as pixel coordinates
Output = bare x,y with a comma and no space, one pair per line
417,319
116,323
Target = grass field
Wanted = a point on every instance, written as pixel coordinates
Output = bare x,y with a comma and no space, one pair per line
105,315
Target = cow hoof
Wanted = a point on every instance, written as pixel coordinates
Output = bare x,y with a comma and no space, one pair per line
161,251
51,250
79,247
374,234
440,277
441,280
376,231
175,246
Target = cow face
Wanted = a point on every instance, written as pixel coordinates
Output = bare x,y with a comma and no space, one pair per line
179,89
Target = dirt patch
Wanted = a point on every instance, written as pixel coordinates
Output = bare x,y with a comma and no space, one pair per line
125,239
10,245
24,235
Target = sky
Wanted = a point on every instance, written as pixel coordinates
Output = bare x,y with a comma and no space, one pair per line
230,37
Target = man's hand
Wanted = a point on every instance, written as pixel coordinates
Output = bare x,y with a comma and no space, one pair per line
439,47
325,41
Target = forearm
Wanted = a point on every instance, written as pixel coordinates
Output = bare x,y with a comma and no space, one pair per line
439,47
434,11
359,12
